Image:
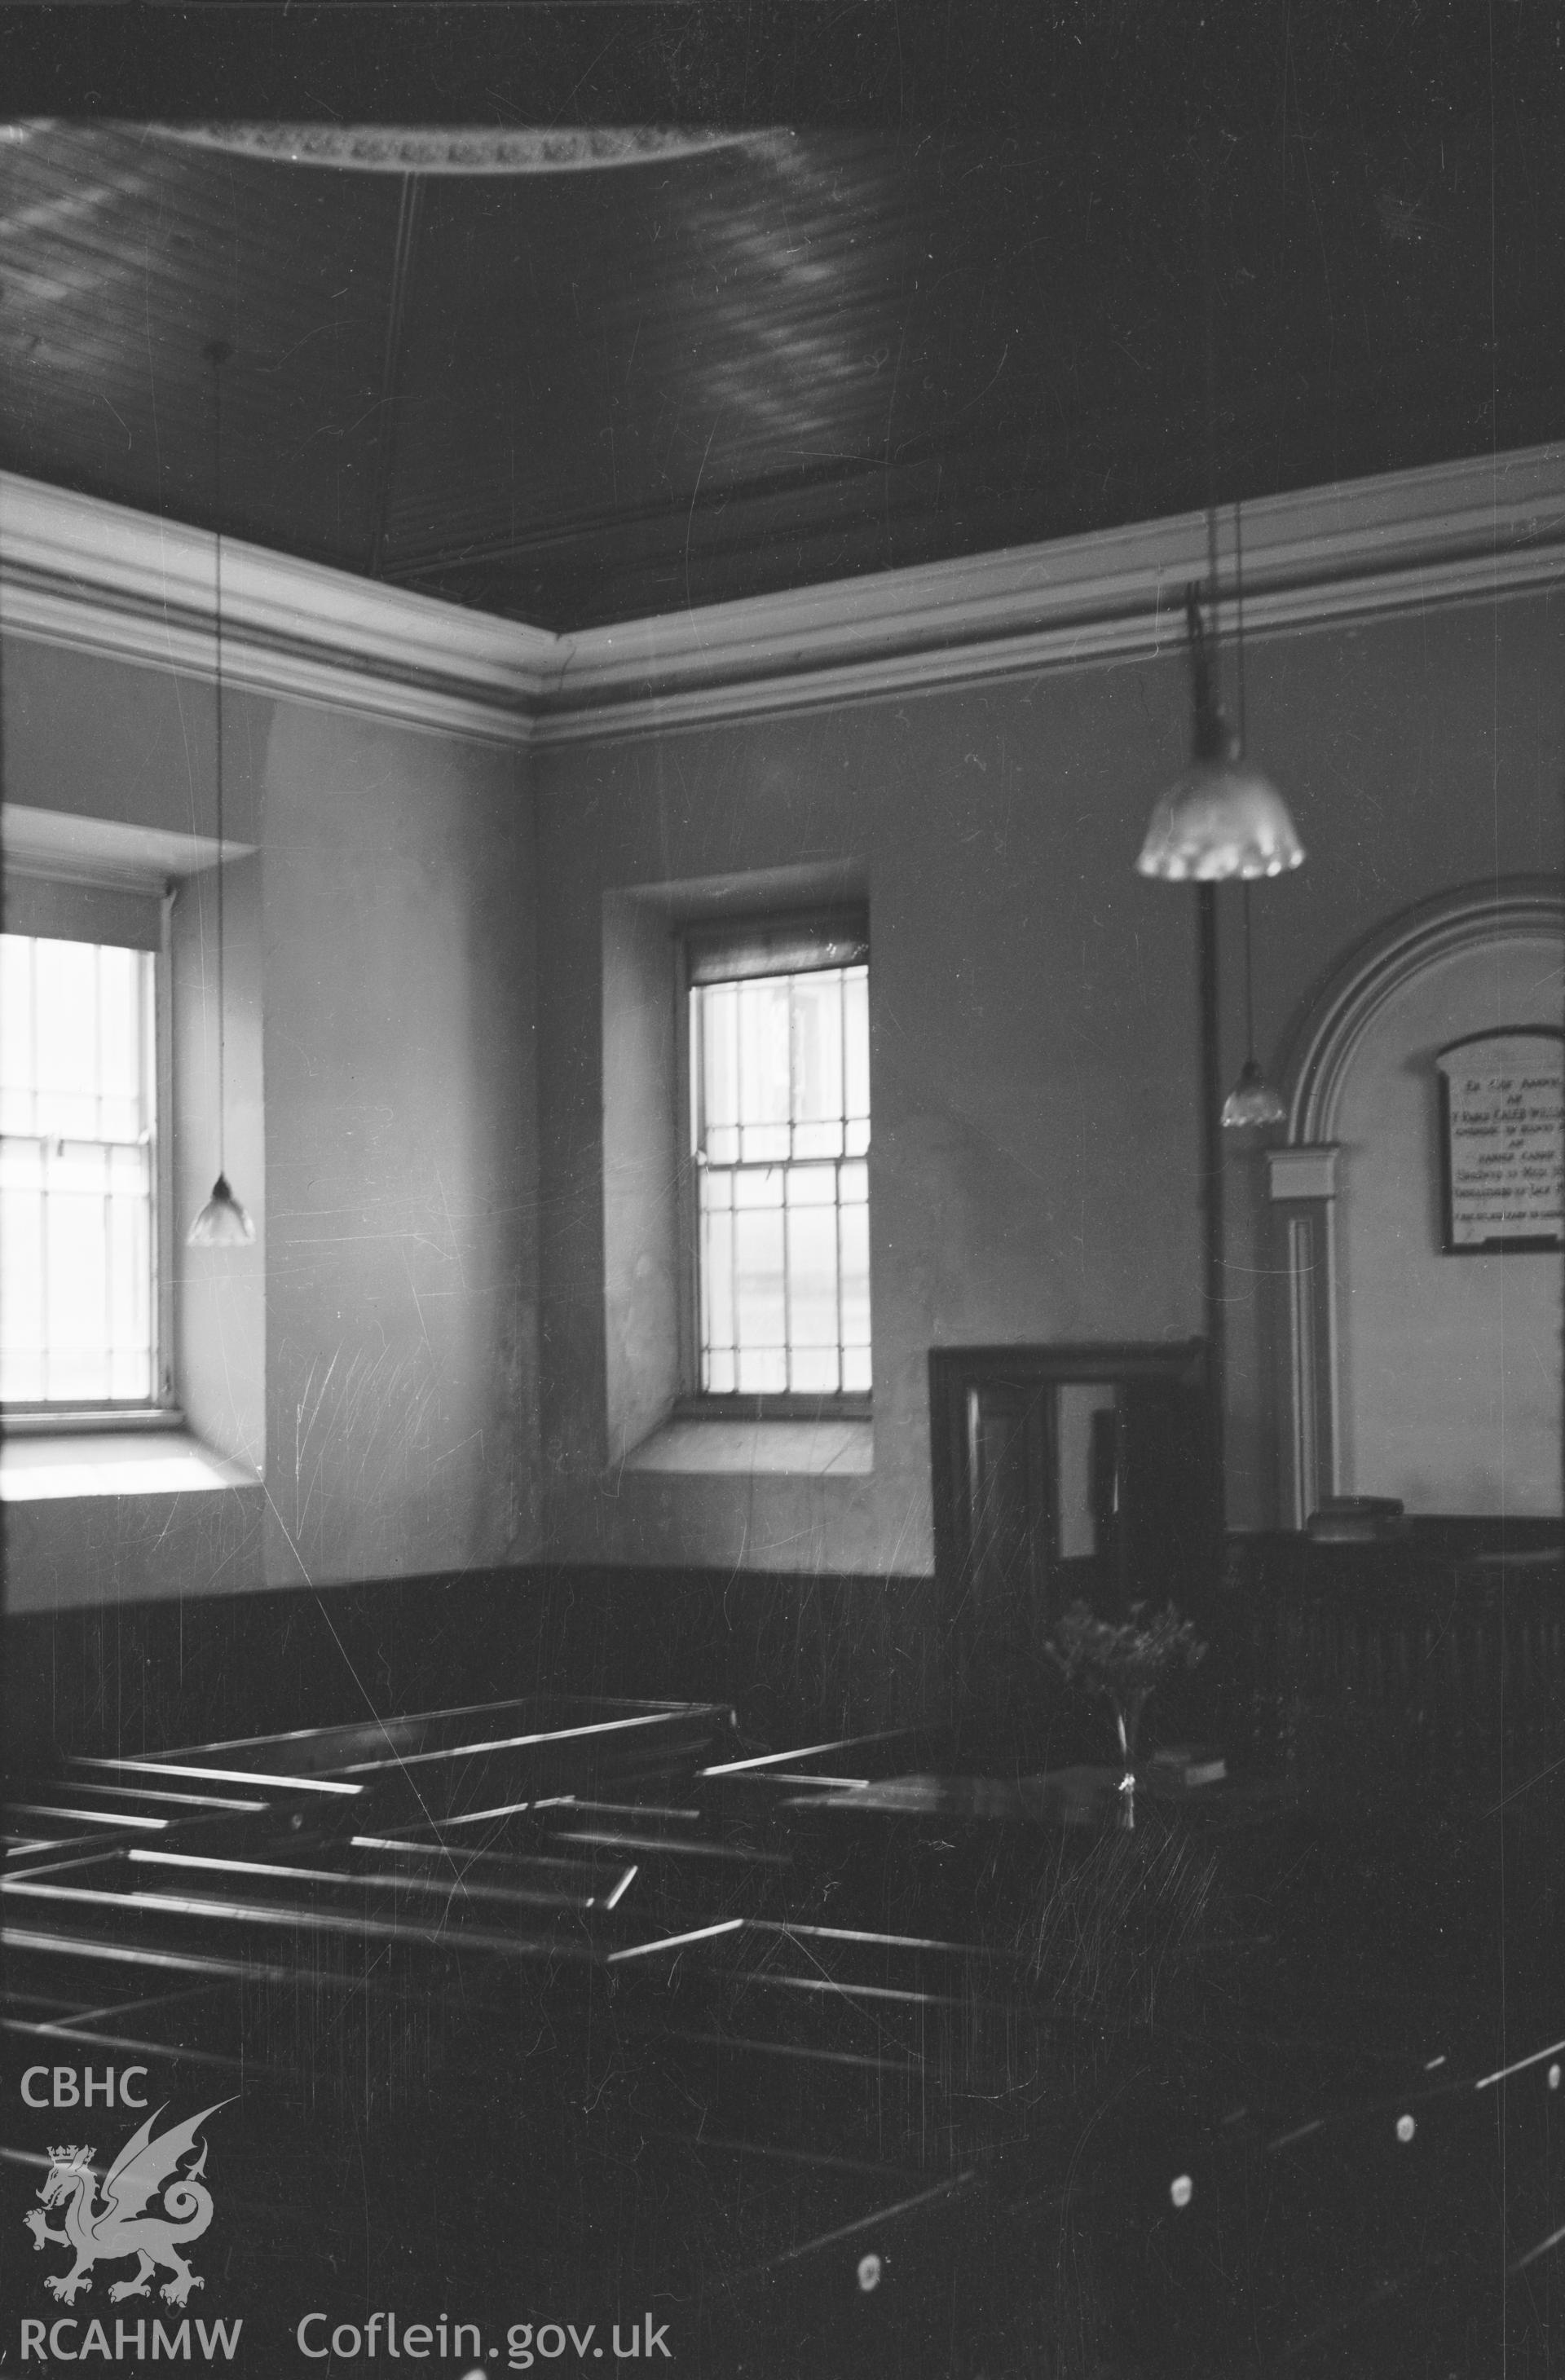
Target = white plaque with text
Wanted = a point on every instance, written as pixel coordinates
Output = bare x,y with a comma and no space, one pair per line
1503,1105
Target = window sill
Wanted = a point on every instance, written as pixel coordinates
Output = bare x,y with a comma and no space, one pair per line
830,1410
140,1462
809,1449
90,1421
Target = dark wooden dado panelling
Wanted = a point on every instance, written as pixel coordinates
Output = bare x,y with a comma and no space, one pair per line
1436,1663
793,1653
1428,1663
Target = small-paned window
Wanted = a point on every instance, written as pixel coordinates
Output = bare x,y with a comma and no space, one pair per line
78,1173
779,1118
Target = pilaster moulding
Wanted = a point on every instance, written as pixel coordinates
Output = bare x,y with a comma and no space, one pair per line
1303,1173
101,578
1303,1186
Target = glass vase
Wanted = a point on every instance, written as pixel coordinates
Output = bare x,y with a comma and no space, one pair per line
1127,1725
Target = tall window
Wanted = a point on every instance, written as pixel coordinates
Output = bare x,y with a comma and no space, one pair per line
779,1115
78,1184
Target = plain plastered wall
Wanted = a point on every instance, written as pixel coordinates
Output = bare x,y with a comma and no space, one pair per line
1034,1173
398,966
1034,1169
96,738
393,900
219,1293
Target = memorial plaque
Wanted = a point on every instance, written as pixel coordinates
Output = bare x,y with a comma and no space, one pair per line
1502,1098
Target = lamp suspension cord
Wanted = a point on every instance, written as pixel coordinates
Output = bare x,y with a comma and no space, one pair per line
1239,642
1208,1026
1208,281
217,353
1239,610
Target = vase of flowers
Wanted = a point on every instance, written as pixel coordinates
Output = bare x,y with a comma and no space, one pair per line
1124,1661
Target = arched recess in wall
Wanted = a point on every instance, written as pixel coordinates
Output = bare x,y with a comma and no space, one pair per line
1408,1371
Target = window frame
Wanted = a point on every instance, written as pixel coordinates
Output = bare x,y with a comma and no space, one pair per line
694,1403
70,898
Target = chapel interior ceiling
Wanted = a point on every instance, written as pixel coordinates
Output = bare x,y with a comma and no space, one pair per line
574,363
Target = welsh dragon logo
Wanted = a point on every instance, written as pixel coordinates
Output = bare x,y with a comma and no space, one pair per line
123,2220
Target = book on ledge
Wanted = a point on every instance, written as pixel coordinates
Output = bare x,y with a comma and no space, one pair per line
1188,1764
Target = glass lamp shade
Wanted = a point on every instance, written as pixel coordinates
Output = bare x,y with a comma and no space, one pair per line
1252,1101
223,1222
1221,819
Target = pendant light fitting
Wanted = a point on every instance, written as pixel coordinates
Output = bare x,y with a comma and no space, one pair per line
223,1222
1222,817
1251,1103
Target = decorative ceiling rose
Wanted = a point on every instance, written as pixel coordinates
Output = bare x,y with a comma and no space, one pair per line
480,149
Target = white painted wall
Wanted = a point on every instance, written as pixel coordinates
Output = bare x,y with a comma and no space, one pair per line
380,967
1451,1364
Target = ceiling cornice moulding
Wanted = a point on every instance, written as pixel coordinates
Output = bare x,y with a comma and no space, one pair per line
1405,542
100,577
